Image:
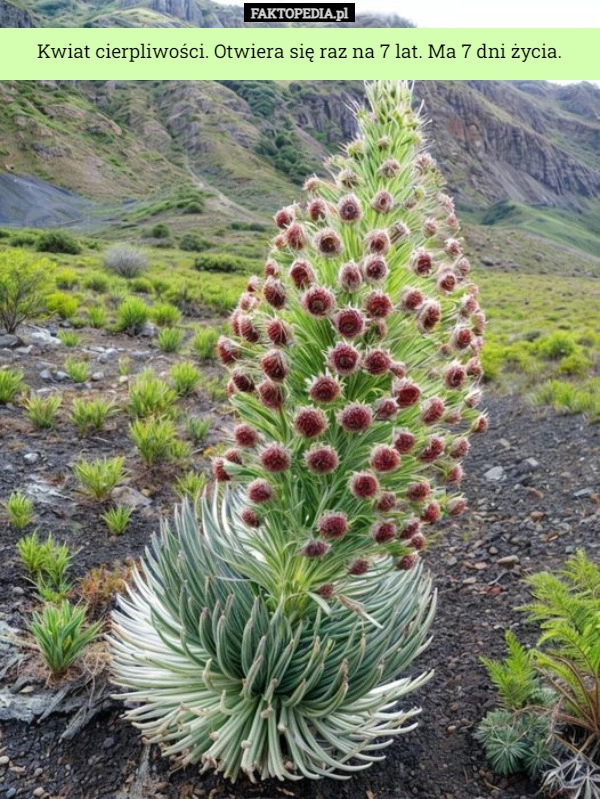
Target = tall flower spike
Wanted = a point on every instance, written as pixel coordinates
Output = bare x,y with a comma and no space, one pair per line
354,366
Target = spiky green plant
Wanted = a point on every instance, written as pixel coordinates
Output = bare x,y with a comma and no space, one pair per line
69,338
190,485
97,478
97,316
47,563
170,339
60,635
197,428
149,395
185,378
204,343
11,383
42,411
78,371
90,415
117,519
19,509
271,635
154,439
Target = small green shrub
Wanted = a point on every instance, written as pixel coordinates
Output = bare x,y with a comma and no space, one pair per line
190,485
160,286
96,282
192,243
132,315
204,343
223,263
141,285
11,384
555,346
69,338
97,316
193,208
198,428
35,554
90,415
160,231
164,314
66,279
60,635
23,239
19,509
117,519
215,387
125,261
64,305
185,378
149,395
23,285
154,438
58,241
78,371
98,478
42,411
170,339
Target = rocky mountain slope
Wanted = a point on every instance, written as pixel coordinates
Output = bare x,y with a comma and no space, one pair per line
153,14
505,147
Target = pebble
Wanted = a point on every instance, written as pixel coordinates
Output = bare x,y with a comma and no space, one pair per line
60,375
8,341
494,474
10,793
536,515
31,457
97,376
108,743
583,492
39,791
493,550
4,760
508,560
46,374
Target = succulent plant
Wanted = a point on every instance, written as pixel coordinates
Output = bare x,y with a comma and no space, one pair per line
268,635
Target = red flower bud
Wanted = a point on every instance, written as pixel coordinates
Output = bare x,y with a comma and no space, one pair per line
386,502
462,267
432,450
260,491
279,333
430,227
349,323
389,168
284,217
456,506
459,448
480,425
250,517
228,351
378,305
417,492
461,338
349,208
358,567
296,237
322,460
317,209
274,365
271,395
377,362
233,456
324,389
274,292
375,268
328,242
333,525
386,409
418,541
247,330
384,459
364,485
431,513
446,281
383,531
275,458
318,301
399,231
432,410
218,470
326,591
429,316
411,300
302,274
455,376
315,549
411,528
404,441
422,262
407,562
350,277
382,202
407,394
344,359
242,381
355,418
310,422
245,436
271,269
377,242
453,247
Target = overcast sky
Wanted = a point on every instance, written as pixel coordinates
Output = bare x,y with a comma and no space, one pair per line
482,14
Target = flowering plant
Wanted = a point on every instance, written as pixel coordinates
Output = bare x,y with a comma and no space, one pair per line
268,636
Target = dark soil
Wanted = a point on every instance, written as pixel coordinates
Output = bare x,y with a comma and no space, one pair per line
545,504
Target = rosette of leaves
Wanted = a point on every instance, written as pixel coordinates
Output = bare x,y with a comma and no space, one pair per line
270,634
